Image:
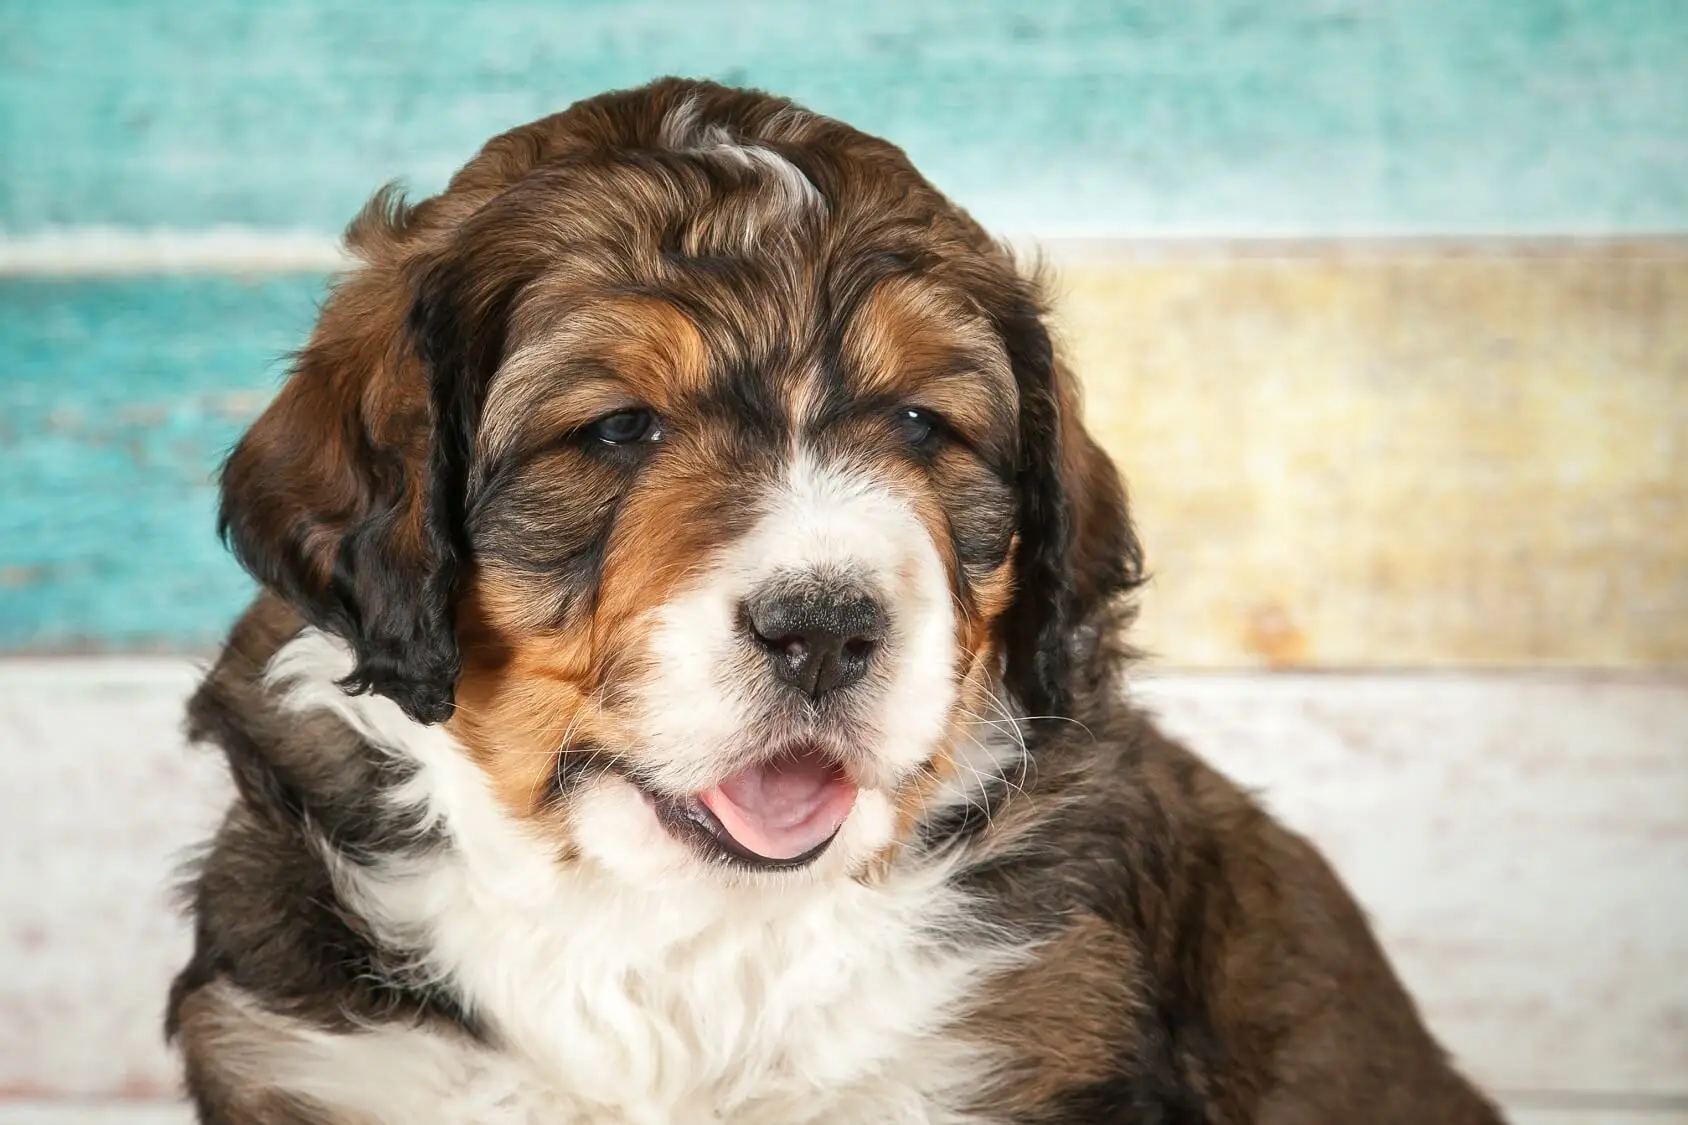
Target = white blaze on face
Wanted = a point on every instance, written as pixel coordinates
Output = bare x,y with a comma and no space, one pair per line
705,703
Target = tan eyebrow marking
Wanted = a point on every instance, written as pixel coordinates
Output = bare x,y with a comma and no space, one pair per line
618,352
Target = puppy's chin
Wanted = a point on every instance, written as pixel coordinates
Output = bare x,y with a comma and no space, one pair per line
617,827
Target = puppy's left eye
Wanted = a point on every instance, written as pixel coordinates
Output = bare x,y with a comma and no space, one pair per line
918,427
626,427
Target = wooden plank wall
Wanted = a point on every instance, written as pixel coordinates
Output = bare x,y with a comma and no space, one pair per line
1099,117
1381,304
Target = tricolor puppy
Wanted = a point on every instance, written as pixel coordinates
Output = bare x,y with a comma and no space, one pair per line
688,689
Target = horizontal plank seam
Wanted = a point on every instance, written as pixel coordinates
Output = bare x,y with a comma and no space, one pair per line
1621,1101
1570,1100
98,1101
18,666
119,251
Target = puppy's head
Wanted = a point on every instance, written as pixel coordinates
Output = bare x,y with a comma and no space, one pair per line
709,473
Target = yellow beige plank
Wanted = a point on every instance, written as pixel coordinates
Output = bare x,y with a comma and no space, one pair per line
1398,457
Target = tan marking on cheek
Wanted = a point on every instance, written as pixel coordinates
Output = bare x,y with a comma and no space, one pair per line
664,538
916,488
909,803
975,700
526,689
990,597
523,696
976,615
912,798
975,642
993,592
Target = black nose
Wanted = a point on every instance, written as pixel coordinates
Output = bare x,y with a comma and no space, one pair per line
816,639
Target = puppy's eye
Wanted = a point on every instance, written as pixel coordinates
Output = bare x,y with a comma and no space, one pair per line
625,427
918,427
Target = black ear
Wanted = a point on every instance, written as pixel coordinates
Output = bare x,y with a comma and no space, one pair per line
346,496
457,326
327,500
1077,551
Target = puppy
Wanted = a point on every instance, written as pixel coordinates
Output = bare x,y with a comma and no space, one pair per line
687,688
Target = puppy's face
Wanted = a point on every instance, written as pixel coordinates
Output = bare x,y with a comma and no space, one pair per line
740,537
707,468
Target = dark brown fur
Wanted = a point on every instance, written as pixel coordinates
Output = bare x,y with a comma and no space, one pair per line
1201,965
1207,966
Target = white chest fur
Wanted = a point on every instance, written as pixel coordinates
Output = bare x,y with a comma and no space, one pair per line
615,1003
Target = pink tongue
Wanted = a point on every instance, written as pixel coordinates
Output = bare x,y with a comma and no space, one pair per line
782,809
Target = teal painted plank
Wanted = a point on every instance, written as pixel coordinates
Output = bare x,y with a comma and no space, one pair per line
117,401
1060,116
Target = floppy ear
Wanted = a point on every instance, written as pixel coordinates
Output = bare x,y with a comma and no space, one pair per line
335,498
1077,550
347,496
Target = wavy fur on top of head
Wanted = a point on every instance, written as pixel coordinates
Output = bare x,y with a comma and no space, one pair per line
689,448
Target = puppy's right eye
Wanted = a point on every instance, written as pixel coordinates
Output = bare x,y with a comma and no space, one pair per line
919,427
627,427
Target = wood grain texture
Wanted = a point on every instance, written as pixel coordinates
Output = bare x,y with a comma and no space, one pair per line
160,1111
102,804
1596,1115
1385,457
117,402
1399,458
78,1111
1521,841
1078,116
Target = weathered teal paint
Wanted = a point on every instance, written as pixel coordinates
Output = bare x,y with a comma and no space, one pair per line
1234,116
117,401
117,398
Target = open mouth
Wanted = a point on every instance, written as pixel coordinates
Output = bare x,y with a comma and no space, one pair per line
780,813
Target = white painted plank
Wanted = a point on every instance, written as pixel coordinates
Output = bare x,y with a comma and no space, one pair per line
71,1112
102,801
120,252
1596,1117
1521,841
